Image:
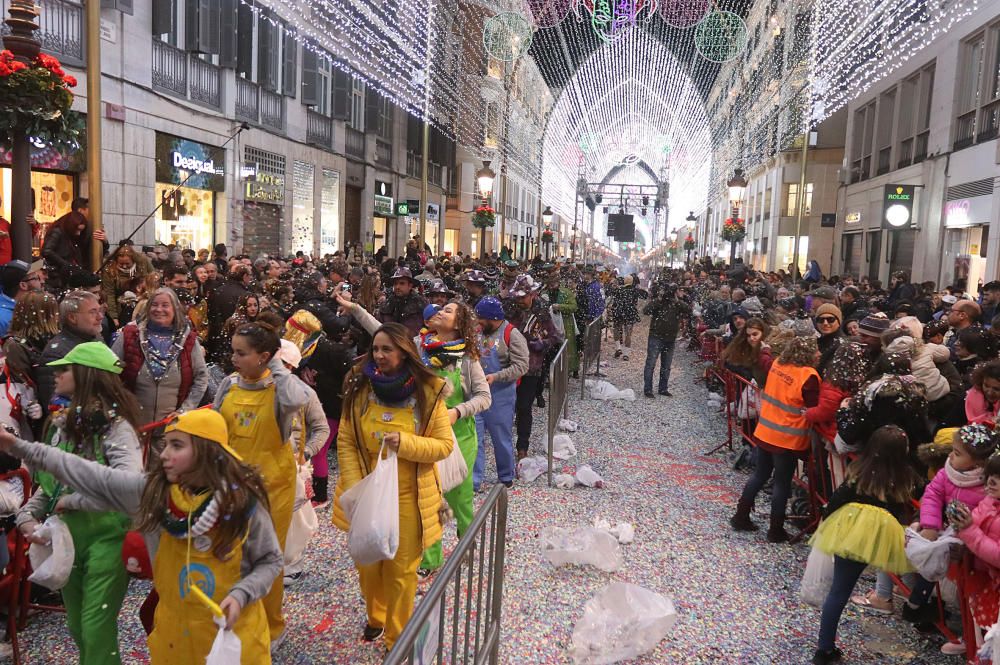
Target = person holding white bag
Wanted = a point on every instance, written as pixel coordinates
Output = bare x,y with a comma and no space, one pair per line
392,399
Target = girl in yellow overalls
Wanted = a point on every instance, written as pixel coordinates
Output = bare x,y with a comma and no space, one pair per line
204,566
390,397
259,404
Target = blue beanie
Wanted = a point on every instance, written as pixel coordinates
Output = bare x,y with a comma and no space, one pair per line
430,311
489,308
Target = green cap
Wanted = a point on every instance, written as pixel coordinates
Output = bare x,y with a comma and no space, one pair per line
92,354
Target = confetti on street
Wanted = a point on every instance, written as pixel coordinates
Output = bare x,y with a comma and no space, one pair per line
736,595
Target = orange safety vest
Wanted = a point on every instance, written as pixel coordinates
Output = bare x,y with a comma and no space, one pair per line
782,422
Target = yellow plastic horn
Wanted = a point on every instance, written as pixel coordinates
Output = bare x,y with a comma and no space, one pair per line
206,601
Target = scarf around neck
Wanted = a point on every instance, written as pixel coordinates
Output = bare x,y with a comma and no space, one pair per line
161,346
964,479
438,353
391,389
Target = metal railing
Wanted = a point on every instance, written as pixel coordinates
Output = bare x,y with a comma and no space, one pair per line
458,620
205,82
965,130
884,161
319,129
272,109
923,138
905,153
989,121
558,394
383,152
354,143
170,68
591,352
247,100
61,29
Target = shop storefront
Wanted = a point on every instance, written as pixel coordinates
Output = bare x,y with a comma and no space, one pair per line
384,211
188,175
263,178
53,184
967,234
852,245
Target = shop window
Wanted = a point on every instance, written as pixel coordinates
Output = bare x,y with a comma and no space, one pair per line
863,138
303,176
329,225
186,217
356,109
915,95
792,200
978,94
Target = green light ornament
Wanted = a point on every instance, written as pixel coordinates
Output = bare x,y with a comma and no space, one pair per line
507,36
720,36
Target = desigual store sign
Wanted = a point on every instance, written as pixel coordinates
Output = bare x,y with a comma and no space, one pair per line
188,174
190,163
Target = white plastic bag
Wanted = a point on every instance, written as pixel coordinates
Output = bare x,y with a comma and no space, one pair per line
604,391
565,425
52,563
303,485
930,557
301,529
226,649
374,532
557,321
623,531
564,481
453,469
621,622
580,546
587,476
817,579
749,407
563,447
529,468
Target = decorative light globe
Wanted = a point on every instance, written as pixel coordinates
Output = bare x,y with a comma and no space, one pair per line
720,36
507,36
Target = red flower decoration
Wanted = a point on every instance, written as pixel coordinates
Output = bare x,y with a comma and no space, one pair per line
70,81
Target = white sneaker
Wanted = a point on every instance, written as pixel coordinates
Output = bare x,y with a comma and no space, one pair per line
953,648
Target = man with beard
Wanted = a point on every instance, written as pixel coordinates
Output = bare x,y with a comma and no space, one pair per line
530,316
404,305
503,353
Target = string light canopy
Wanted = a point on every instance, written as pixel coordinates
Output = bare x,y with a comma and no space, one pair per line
507,36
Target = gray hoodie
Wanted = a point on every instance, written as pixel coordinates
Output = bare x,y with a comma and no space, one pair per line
115,489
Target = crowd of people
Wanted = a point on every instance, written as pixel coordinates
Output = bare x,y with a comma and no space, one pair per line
886,403
182,407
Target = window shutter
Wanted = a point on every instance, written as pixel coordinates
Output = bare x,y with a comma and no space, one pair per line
163,16
289,52
202,26
244,40
124,6
268,40
414,135
228,42
310,75
371,110
341,94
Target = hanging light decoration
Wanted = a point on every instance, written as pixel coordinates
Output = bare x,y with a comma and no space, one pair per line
549,13
720,36
507,36
683,13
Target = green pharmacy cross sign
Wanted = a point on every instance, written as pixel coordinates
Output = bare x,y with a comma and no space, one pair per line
402,209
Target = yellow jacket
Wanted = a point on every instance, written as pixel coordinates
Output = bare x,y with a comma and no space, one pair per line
432,445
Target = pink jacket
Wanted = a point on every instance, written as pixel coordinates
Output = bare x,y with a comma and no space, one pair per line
939,494
977,410
983,535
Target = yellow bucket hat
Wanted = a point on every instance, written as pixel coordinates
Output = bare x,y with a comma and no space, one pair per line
206,423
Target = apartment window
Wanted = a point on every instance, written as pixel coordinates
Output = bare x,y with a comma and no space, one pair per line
862,139
792,200
385,118
492,125
883,138
915,116
324,85
978,98
356,111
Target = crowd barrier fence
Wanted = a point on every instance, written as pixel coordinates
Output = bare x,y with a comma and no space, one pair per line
591,353
558,398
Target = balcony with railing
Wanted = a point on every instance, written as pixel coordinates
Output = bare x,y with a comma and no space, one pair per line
354,143
205,81
905,153
989,121
170,69
319,129
920,152
965,130
884,161
247,100
272,109
61,29
383,152
258,105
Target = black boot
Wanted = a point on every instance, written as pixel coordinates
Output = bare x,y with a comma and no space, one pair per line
741,520
320,495
776,532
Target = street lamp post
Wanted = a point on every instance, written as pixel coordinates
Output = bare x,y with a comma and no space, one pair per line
691,220
547,216
737,188
485,178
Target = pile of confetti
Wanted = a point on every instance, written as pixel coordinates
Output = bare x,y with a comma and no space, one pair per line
735,594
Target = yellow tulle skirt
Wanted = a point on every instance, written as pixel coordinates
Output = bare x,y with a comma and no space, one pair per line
864,533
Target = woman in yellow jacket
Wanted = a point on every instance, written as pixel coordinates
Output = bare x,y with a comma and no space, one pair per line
390,397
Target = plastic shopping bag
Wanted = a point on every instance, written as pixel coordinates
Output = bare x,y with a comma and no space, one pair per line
52,563
580,546
587,476
604,390
621,622
749,407
930,557
562,447
453,470
374,532
226,649
529,468
304,524
303,485
817,579
557,322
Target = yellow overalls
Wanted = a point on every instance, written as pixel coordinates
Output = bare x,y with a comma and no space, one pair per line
389,587
254,434
183,630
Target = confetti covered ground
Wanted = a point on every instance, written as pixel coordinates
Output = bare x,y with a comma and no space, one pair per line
735,594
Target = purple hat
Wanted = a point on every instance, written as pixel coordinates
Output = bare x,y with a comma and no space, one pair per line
491,309
523,285
475,276
403,273
438,286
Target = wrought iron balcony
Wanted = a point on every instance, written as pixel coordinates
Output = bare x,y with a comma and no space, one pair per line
61,29
170,68
354,143
319,129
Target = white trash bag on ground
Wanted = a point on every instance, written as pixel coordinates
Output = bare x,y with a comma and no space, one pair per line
566,425
529,468
817,579
563,481
604,390
930,557
52,563
580,546
563,447
374,513
623,531
226,649
587,476
621,622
